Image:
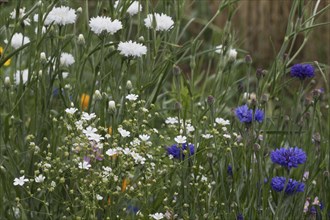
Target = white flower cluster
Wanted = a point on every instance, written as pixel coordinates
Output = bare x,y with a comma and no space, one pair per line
162,22
132,49
101,24
61,16
21,14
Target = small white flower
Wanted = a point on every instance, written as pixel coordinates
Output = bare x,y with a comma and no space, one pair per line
162,21
66,59
134,8
61,15
132,97
25,76
204,179
132,49
71,111
171,120
111,152
98,197
144,137
219,49
157,216
190,128
180,139
124,133
224,128
19,40
39,179
232,54
79,124
138,158
127,151
89,131
207,136
222,121
53,184
95,137
101,24
84,165
227,136
85,116
135,143
20,15
20,181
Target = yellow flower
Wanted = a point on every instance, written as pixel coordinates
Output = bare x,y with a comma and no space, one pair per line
7,63
110,130
84,101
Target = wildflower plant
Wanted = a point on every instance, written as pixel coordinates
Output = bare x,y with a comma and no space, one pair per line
121,110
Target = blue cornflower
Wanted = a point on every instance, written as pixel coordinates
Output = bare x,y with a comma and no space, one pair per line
245,115
302,71
230,170
259,115
291,187
239,217
178,151
288,158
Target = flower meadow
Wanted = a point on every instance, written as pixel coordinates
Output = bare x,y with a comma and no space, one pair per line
118,110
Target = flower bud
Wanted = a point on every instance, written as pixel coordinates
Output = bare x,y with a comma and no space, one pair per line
248,59
43,58
112,106
81,40
232,54
97,95
176,70
79,10
7,82
129,85
141,39
210,100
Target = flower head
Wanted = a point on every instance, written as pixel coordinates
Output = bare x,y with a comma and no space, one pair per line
291,186
132,49
20,181
66,59
19,40
180,139
244,114
39,179
134,8
162,22
101,24
288,158
61,15
157,216
302,71
84,165
222,121
24,74
132,97
179,152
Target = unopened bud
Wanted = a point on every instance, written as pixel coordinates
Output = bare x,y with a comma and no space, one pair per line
210,100
232,54
129,85
141,39
81,40
79,10
178,106
112,106
7,82
43,58
248,59
264,98
176,70
97,95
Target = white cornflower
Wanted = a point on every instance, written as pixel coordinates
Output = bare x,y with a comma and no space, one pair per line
21,14
101,24
162,22
132,97
171,120
157,216
71,111
180,139
85,116
84,165
219,49
20,181
19,40
144,137
232,54
227,136
61,15
134,8
66,59
207,136
39,179
124,133
111,152
98,197
24,74
222,121
132,49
